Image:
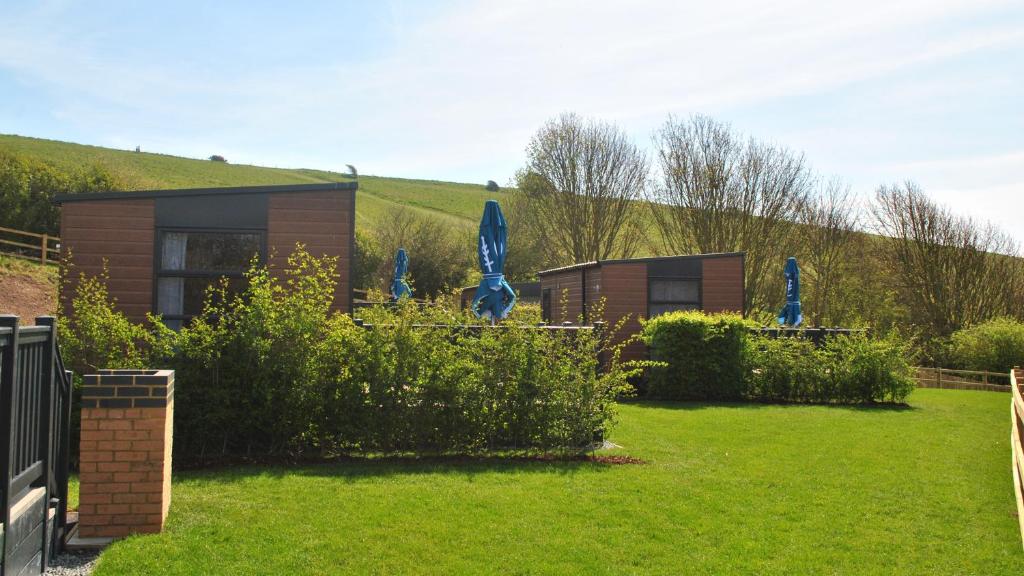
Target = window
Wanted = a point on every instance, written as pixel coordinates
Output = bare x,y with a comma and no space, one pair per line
668,294
545,305
190,261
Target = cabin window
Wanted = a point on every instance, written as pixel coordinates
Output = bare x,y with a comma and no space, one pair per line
189,261
670,294
545,305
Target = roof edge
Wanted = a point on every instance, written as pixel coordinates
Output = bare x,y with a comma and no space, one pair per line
178,192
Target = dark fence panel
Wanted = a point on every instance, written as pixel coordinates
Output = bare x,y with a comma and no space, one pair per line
816,335
35,401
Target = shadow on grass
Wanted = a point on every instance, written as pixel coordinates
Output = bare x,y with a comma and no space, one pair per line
701,405
353,468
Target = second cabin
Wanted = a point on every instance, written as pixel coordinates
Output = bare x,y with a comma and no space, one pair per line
643,287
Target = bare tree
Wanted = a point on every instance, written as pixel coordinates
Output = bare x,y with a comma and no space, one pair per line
439,257
953,271
580,187
829,222
720,193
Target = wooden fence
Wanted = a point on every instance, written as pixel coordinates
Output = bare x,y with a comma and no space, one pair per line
961,379
30,246
1017,441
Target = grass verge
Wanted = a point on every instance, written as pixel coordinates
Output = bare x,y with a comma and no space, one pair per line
725,489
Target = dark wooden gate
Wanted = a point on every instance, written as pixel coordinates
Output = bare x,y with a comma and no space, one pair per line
35,415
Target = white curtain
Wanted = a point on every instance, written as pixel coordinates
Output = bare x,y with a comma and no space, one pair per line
170,292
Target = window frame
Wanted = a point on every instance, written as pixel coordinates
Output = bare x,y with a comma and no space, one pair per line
699,303
159,272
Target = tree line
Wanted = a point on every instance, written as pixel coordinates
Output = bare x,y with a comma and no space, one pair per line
587,192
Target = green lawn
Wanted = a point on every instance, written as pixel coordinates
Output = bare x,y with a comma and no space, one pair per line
727,489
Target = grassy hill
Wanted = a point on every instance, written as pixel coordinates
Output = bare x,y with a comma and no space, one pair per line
459,204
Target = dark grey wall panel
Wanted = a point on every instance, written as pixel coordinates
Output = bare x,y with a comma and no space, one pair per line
674,268
229,211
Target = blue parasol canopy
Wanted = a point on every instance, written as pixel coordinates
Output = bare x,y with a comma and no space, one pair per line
494,298
399,287
790,314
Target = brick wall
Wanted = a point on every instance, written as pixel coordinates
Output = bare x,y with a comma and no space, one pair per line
125,476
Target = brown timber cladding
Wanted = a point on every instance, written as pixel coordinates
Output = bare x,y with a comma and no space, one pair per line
722,284
322,221
566,296
119,233
624,287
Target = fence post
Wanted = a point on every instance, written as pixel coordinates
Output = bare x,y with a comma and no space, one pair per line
8,376
46,247
46,447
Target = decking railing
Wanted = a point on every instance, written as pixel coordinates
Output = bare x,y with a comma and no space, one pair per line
1017,441
961,379
42,248
35,414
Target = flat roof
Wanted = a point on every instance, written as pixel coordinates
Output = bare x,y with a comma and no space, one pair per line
597,263
179,192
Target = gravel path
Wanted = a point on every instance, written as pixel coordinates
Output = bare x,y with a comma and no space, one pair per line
73,563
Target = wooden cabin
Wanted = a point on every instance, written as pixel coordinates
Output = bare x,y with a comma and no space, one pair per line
162,248
643,287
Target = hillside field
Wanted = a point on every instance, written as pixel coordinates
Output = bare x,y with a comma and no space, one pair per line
458,204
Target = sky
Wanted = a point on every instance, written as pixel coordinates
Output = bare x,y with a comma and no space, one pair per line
874,91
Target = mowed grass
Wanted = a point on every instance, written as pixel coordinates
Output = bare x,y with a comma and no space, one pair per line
726,489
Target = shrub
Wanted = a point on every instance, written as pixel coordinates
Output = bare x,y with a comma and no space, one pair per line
28,185
273,371
492,186
95,335
784,370
867,370
704,355
218,158
996,346
718,357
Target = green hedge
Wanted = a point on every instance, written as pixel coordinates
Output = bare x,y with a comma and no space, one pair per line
273,371
703,356
718,357
995,346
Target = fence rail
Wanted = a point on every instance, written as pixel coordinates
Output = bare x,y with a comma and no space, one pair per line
42,248
961,379
1017,441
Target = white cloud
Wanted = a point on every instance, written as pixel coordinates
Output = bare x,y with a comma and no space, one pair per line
457,94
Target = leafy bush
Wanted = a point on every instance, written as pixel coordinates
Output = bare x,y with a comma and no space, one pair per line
866,370
996,346
274,371
218,158
492,186
784,370
847,369
704,355
717,357
95,335
27,188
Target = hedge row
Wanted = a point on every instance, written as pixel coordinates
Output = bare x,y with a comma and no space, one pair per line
718,357
273,371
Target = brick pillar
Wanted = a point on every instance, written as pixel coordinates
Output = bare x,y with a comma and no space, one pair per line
125,476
